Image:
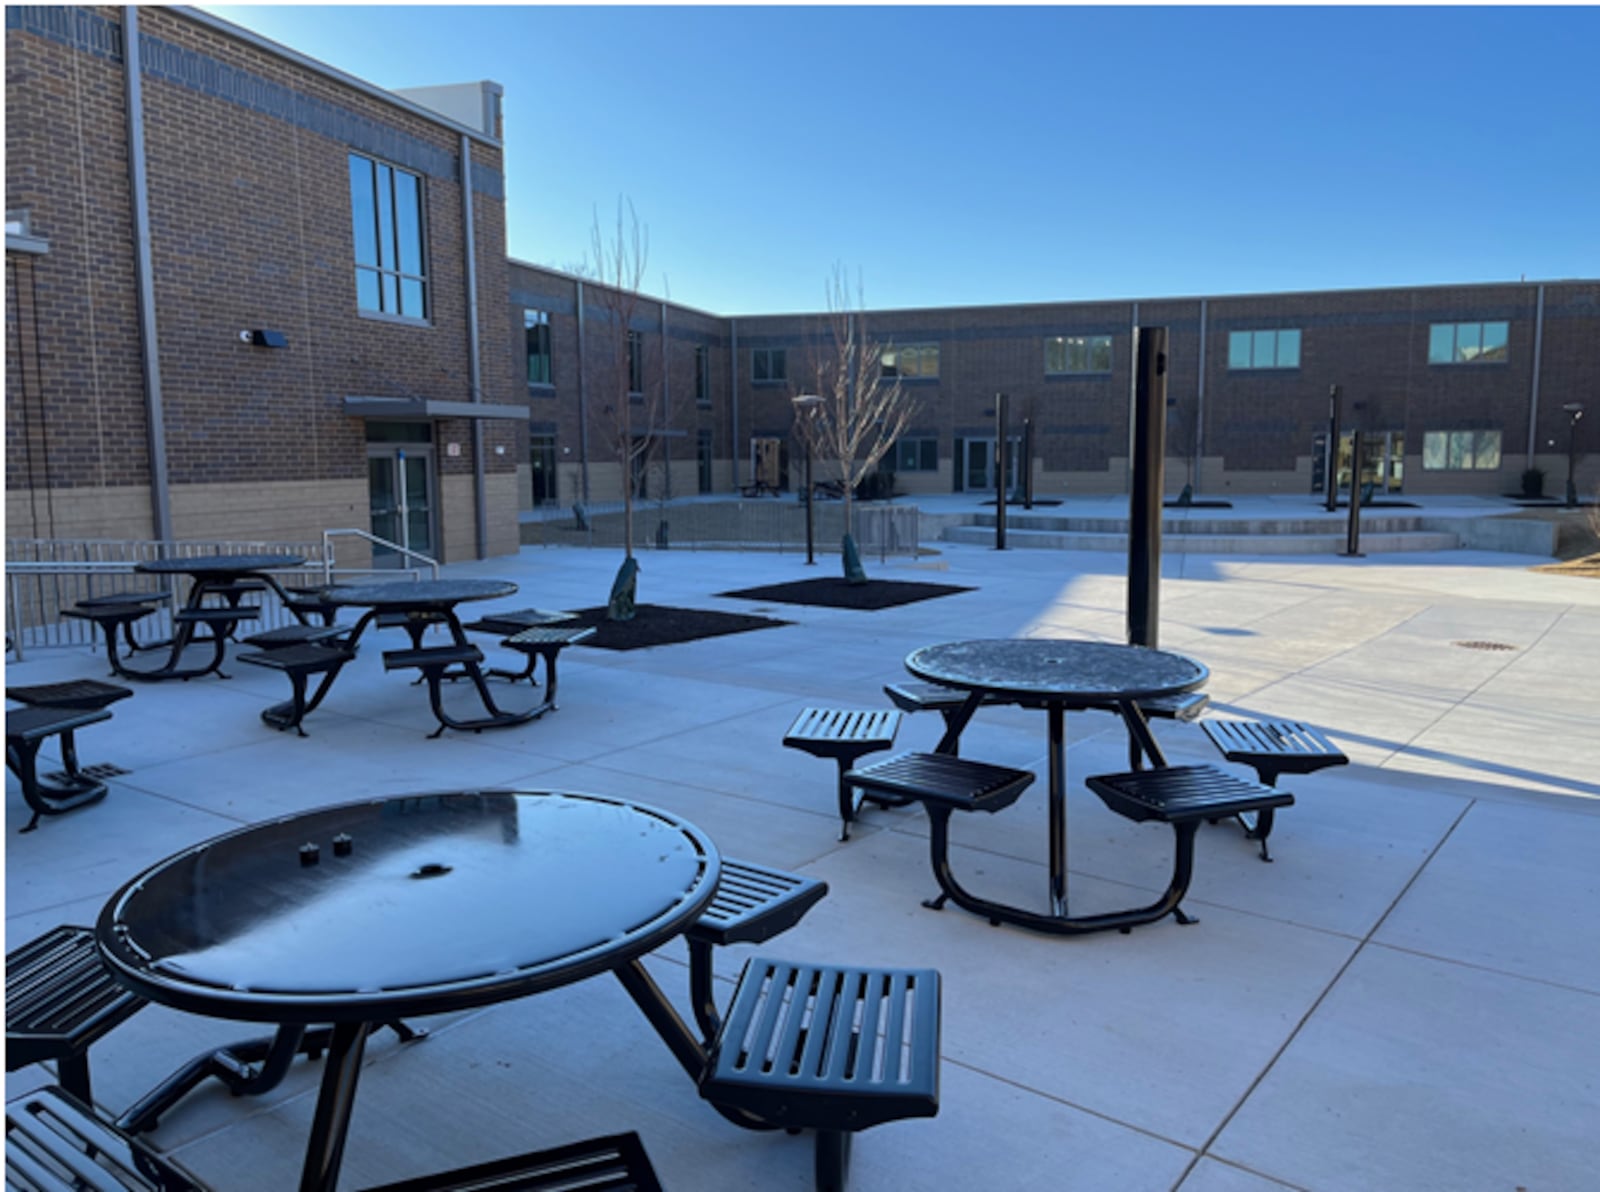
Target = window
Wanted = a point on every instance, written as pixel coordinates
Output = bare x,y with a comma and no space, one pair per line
536,332
386,219
1461,450
635,362
1468,343
702,376
1077,354
1264,349
915,455
769,364
913,361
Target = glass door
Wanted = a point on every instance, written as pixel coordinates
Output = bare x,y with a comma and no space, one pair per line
1383,460
400,498
975,464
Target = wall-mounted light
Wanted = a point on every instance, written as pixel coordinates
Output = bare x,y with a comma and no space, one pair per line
263,338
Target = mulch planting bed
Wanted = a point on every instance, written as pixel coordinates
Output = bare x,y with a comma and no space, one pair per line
837,592
661,625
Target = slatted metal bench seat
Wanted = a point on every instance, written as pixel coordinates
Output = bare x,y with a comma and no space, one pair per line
542,642
60,999
845,735
516,620
1271,748
835,1049
613,1163
753,903
1181,796
293,635
300,663
944,784
57,1143
112,618
83,694
27,729
916,696
431,658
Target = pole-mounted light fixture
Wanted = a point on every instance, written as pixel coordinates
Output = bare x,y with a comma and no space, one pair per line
808,406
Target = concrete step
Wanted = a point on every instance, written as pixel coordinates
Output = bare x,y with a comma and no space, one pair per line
1210,523
1209,544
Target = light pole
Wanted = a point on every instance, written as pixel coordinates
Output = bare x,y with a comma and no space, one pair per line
1575,409
806,408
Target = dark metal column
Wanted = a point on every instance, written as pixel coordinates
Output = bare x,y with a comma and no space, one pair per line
1330,471
1144,498
999,471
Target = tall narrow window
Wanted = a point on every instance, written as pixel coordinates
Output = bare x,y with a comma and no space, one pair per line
635,362
702,376
536,332
388,234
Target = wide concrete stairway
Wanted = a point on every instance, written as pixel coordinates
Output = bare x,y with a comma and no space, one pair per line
1213,532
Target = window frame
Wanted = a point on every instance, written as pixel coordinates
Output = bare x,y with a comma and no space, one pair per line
1481,354
635,364
1089,345
392,304
1466,454
702,377
536,326
927,449
1255,334
917,354
771,357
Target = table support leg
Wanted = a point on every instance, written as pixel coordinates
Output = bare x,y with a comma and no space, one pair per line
1058,810
331,1123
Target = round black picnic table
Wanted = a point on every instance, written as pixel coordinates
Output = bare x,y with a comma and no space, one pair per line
211,574
432,602
1057,675
369,912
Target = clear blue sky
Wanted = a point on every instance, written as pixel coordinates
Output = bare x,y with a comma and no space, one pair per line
953,156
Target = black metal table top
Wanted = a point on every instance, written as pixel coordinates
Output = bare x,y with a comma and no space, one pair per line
214,565
1072,672
439,902
438,593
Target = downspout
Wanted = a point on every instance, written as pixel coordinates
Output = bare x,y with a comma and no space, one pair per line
733,397
1538,364
666,406
144,272
583,405
480,489
1133,389
1200,401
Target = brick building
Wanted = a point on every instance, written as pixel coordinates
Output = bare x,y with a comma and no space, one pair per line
1456,389
244,295
245,298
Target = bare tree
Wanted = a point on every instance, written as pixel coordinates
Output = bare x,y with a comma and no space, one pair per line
860,413
625,401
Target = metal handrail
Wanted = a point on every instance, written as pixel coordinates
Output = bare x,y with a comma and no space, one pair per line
327,550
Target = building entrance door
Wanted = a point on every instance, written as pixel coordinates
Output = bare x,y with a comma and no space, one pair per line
975,464
400,494
542,465
1383,460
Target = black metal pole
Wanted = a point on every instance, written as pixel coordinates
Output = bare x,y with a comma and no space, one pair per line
811,497
1352,533
1027,463
999,471
1330,472
1144,498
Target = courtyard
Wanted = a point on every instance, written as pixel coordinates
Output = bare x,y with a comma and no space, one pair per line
1404,998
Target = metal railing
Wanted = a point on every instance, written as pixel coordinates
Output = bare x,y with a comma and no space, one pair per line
329,570
46,575
758,523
